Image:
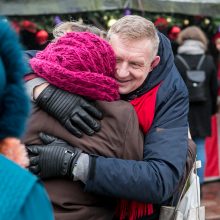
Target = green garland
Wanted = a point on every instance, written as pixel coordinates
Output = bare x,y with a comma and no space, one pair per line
101,20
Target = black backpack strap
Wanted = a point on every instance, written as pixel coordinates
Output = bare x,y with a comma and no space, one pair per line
200,62
186,64
183,61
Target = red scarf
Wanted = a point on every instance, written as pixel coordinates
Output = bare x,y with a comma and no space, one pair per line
145,109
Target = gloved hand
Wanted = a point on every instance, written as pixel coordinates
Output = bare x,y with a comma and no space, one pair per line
54,159
72,111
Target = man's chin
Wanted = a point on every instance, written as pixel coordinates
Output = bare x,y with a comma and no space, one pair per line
123,91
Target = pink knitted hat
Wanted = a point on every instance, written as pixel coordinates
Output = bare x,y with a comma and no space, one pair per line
80,63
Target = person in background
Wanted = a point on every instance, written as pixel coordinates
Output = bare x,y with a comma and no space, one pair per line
147,76
213,142
22,196
203,102
74,26
216,42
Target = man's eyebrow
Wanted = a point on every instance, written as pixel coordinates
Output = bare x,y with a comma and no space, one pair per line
139,62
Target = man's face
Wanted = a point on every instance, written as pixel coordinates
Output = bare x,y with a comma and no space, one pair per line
134,62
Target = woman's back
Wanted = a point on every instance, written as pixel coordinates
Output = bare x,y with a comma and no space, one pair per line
119,137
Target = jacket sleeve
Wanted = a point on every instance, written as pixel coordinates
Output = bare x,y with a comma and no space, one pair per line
155,178
31,79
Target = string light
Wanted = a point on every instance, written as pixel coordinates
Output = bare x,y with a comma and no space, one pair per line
111,22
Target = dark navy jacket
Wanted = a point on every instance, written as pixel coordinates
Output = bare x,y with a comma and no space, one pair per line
154,179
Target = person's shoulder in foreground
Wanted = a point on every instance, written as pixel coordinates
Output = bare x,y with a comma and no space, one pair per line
22,195
12,93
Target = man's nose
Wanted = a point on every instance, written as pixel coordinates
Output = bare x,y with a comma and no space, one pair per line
122,70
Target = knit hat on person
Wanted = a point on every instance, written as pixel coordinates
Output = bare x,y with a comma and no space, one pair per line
81,63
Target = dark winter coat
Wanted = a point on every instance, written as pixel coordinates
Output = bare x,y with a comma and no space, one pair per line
200,112
154,179
119,137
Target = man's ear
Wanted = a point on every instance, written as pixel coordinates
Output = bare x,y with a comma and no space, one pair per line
155,62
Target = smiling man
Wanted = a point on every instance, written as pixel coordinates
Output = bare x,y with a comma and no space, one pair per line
148,78
135,59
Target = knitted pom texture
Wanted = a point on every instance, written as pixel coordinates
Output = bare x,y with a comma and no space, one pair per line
81,63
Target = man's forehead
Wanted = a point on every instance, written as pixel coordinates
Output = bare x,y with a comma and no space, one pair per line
137,50
140,58
143,43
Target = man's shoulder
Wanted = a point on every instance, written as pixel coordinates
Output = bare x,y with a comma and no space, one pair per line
172,98
173,84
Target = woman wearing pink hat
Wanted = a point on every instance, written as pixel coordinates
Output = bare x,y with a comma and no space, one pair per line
58,159
84,64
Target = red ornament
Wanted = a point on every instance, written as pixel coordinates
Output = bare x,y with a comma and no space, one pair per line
173,33
161,23
41,37
28,26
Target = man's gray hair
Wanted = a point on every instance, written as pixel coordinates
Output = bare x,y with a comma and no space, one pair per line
134,27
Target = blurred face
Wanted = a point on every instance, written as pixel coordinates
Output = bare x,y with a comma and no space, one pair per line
134,62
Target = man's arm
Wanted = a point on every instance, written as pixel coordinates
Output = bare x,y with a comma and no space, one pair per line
155,178
73,111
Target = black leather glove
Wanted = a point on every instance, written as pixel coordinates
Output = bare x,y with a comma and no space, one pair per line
72,111
54,159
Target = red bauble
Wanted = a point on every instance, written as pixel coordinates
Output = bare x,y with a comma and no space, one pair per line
41,37
173,33
28,26
161,23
